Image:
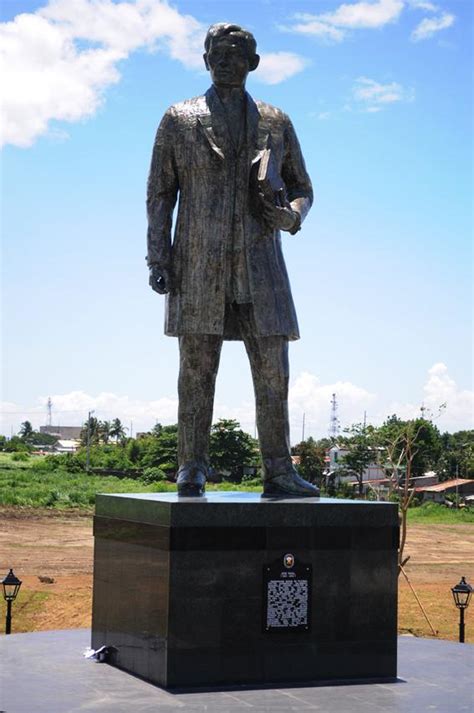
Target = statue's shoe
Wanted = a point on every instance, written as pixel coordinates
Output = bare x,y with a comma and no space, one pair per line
289,485
191,480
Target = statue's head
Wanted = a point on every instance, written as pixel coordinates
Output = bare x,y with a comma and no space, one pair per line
230,54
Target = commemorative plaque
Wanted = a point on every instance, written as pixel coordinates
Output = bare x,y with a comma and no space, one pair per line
287,595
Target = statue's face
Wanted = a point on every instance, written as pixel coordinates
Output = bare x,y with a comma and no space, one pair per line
228,61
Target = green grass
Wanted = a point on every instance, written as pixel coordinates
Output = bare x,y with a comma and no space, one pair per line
438,514
58,489
9,460
28,487
22,484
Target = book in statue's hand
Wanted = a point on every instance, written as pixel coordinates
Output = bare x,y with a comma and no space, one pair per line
269,182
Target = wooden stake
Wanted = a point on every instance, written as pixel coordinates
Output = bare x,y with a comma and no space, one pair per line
435,633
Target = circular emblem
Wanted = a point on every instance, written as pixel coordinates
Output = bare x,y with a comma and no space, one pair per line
288,561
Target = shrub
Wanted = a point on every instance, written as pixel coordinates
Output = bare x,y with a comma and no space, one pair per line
20,456
153,475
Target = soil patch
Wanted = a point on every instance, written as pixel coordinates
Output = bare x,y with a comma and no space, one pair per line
58,546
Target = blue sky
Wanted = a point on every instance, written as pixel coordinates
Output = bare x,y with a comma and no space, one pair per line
379,93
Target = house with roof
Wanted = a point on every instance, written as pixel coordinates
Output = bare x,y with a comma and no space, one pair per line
461,487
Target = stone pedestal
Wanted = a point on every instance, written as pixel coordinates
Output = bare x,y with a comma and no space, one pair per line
184,589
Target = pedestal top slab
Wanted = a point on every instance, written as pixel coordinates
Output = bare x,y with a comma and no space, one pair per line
239,509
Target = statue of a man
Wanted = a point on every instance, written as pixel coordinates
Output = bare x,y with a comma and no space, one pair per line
223,274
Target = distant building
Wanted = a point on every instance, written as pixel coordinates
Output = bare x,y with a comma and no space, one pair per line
65,432
66,446
461,487
335,462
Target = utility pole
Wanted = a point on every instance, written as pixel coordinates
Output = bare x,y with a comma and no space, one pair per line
88,453
302,432
131,429
334,420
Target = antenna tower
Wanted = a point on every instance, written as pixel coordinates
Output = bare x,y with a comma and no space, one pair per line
334,420
50,409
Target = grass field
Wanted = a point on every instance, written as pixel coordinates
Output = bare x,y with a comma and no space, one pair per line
29,484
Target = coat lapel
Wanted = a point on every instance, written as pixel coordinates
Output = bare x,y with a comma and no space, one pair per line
213,122
258,132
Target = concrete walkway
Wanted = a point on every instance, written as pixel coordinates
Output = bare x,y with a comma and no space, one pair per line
46,673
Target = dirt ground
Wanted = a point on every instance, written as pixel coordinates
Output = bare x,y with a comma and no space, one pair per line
47,545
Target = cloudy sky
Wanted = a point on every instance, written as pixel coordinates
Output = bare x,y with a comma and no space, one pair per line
380,96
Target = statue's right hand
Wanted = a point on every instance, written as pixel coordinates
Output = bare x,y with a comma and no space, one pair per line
160,279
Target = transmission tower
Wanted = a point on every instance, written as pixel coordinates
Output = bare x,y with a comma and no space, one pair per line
50,410
334,420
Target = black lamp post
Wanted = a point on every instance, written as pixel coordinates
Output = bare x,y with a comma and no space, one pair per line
462,594
11,586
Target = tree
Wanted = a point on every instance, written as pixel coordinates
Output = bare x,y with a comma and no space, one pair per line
312,458
161,450
157,429
429,443
457,455
361,447
104,431
117,430
90,432
231,448
26,430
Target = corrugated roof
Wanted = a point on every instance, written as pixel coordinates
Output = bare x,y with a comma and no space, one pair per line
439,487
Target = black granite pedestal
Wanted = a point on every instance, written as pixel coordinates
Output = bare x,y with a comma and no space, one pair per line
234,588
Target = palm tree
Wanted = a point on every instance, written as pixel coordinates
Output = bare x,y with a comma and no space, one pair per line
104,431
26,430
90,432
117,431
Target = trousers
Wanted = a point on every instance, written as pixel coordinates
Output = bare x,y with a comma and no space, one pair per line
199,362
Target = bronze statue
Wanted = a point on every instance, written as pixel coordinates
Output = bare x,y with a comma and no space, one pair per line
237,167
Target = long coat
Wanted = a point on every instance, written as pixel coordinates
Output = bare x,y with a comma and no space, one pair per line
194,157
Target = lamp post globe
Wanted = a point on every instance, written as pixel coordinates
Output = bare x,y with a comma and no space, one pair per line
11,586
462,595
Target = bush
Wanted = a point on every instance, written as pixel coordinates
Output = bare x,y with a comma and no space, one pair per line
153,475
252,481
20,456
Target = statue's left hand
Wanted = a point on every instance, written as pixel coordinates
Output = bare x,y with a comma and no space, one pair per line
277,217
160,279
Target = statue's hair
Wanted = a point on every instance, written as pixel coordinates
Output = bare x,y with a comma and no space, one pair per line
221,29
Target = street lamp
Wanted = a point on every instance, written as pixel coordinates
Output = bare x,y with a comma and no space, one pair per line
11,586
462,594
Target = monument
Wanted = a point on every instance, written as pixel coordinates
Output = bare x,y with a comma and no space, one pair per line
237,167
231,588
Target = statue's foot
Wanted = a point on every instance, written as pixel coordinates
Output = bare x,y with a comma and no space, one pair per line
191,480
282,480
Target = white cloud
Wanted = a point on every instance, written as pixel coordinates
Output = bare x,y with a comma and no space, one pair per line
312,25
440,388
373,96
362,15
429,26
275,67
348,16
57,63
307,396
423,5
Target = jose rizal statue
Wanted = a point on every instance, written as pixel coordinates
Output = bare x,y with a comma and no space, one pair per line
236,166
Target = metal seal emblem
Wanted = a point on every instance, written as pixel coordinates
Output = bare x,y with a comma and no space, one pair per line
288,561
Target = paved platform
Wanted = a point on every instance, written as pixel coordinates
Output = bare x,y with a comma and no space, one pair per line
45,672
